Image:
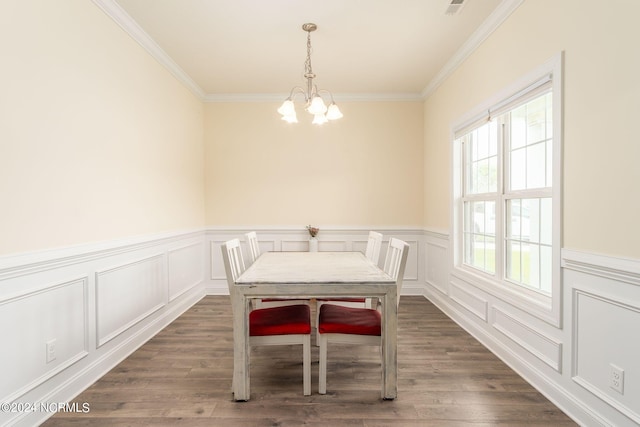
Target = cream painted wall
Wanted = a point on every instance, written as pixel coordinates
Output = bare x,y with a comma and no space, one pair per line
97,140
363,170
602,102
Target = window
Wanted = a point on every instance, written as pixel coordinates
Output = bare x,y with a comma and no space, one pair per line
507,197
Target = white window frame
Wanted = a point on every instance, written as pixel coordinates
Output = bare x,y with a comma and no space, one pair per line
545,307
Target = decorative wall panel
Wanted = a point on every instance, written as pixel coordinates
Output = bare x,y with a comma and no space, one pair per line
56,315
137,289
185,268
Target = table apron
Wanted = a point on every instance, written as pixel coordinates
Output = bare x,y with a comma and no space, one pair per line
314,290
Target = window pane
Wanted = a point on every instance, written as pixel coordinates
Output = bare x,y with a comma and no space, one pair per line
513,261
479,235
482,164
518,127
482,136
530,219
483,176
518,170
477,259
493,138
536,166
473,179
513,219
490,218
536,120
530,146
493,174
530,258
529,235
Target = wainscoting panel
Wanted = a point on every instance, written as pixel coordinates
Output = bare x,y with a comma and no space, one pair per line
529,338
61,321
69,315
603,294
264,245
216,267
437,262
469,300
291,245
185,268
137,289
606,335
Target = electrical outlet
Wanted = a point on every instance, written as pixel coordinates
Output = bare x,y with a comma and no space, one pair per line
51,350
616,378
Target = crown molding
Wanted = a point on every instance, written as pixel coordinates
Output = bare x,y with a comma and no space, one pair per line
502,12
131,27
112,9
341,97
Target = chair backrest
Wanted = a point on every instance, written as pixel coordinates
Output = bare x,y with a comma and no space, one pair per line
233,262
396,261
252,243
373,246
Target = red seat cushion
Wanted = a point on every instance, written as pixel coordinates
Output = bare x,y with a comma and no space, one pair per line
335,319
285,320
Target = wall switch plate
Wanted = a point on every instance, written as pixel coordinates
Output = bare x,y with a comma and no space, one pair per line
616,378
51,350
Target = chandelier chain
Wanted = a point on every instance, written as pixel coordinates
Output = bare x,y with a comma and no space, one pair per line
308,71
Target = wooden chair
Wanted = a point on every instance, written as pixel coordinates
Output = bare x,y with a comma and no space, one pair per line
372,252
254,252
253,245
374,243
360,326
284,325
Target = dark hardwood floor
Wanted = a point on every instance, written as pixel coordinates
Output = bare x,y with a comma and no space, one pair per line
182,377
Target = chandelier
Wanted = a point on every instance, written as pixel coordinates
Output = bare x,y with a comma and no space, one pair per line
314,104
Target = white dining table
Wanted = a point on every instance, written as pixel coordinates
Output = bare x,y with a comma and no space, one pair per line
313,275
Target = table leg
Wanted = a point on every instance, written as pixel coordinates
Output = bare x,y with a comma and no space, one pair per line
241,377
390,346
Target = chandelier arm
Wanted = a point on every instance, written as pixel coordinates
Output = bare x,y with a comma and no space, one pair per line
298,90
318,91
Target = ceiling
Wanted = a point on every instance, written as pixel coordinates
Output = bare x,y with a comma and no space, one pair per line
246,49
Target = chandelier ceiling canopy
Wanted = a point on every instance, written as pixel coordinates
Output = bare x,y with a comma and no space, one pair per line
314,104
